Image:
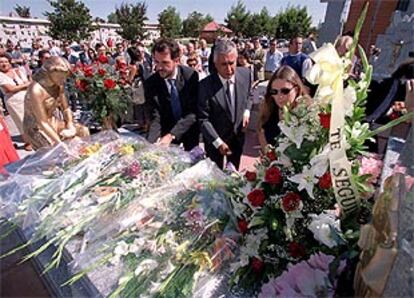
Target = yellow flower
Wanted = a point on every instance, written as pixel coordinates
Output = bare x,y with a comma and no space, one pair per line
91,149
201,259
127,150
181,250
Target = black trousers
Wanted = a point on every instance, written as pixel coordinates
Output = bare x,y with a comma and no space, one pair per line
235,144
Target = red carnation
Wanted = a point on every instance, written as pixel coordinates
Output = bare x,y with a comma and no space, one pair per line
291,201
109,84
250,176
101,72
256,197
296,250
271,154
242,224
273,176
257,265
88,71
82,85
103,59
325,181
325,119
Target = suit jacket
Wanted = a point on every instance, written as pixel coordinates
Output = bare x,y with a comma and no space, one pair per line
213,110
159,101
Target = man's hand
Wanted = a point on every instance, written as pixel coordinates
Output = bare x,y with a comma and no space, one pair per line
246,121
166,140
224,149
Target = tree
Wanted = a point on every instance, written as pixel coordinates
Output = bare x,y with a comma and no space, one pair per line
194,23
112,18
238,18
70,20
131,18
260,24
292,22
22,11
170,22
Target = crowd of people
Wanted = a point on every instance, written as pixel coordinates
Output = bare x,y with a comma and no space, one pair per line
181,90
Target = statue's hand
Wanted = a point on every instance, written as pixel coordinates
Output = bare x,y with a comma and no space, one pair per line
68,133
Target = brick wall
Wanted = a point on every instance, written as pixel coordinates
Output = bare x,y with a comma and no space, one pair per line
378,19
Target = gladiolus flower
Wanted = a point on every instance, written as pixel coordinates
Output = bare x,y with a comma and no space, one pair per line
291,202
325,119
250,176
271,154
109,84
256,197
273,176
325,181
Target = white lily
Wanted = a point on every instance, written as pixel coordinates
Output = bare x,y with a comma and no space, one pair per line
319,163
121,249
349,100
324,228
295,134
306,180
146,266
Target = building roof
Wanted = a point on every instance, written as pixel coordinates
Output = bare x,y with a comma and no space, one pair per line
213,26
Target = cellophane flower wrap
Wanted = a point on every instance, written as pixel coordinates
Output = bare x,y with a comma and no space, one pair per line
117,173
286,207
177,242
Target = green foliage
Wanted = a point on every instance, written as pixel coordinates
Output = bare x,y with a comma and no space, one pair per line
131,18
194,23
69,21
238,18
293,21
22,11
170,22
112,18
259,24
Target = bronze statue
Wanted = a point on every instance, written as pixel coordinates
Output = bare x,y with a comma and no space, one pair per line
48,119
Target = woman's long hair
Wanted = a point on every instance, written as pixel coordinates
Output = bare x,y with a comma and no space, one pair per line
268,106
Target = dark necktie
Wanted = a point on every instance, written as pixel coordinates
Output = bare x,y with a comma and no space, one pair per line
228,95
175,100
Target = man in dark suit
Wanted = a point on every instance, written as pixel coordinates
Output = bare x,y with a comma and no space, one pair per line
224,106
171,93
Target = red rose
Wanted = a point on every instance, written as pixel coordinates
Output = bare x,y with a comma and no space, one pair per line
250,176
271,154
273,176
242,224
291,201
325,181
101,72
82,85
88,71
257,265
256,197
103,59
296,250
325,119
109,84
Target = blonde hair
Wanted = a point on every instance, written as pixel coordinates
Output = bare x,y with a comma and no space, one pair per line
55,63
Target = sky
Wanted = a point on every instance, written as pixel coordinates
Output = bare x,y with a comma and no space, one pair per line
216,8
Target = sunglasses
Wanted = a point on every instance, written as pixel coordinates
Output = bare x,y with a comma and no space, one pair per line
192,64
284,91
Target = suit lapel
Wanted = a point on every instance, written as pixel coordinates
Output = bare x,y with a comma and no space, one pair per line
180,79
239,96
220,94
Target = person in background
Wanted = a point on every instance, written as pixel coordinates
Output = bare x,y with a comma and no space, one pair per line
8,153
171,93
193,62
244,59
224,106
43,56
273,59
309,44
204,53
119,50
91,56
14,84
17,56
54,50
342,46
68,54
299,61
284,89
258,59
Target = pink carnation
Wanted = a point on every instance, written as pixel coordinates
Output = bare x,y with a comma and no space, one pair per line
371,166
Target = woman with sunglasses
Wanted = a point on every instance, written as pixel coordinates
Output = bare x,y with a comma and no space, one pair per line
284,89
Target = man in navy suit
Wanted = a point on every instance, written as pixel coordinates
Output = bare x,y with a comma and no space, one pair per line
171,93
224,106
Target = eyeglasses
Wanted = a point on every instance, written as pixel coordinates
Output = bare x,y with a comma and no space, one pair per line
192,64
284,91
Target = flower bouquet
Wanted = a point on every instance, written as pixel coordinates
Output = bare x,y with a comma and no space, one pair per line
173,243
308,195
104,90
